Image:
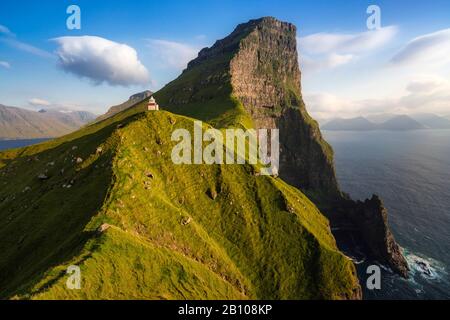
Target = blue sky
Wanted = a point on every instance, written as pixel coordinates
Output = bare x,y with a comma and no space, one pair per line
358,72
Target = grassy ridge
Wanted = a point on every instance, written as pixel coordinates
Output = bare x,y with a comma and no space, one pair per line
178,231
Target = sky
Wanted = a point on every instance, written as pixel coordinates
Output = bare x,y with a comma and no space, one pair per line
349,67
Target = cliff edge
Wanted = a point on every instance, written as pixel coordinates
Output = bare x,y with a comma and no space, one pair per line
252,78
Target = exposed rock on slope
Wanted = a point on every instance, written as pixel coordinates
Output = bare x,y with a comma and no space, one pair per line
370,217
252,78
265,77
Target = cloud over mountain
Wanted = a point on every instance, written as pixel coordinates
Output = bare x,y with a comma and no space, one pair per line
37,102
424,94
101,60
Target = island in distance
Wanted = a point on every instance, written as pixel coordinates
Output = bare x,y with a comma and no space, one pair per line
388,122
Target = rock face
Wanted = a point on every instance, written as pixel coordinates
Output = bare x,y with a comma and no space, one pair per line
264,74
257,65
370,218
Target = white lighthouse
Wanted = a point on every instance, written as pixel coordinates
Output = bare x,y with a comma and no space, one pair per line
152,105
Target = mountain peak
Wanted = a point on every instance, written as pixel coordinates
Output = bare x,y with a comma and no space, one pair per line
251,78
231,43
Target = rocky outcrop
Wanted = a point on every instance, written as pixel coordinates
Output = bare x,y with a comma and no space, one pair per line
370,219
265,77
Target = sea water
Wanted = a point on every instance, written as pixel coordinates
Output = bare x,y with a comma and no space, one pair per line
410,171
11,144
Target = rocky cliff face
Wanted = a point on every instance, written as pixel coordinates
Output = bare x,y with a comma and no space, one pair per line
371,221
264,74
257,64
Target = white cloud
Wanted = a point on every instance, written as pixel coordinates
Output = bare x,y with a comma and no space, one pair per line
5,64
431,49
6,31
330,61
323,106
426,84
200,37
426,94
22,46
9,38
329,50
320,43
101,60
170,54
62,106
37,102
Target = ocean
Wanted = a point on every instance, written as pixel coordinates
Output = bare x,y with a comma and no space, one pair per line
410,171
11,144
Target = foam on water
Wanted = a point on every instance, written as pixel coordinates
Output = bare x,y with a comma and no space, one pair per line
425,267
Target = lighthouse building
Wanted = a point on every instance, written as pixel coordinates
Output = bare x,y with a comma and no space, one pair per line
152,105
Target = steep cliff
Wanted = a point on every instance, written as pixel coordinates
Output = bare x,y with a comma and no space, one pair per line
257,65
252,78
370,218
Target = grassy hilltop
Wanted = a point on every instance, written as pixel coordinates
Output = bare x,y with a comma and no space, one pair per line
173,231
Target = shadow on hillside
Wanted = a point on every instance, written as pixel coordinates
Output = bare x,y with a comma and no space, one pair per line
46,226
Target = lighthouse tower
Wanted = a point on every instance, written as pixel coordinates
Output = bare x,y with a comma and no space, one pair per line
152,105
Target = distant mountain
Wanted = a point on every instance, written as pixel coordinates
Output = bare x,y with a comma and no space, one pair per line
388,122
380,118
134,99
18,123
432,121
353,124
400,123
74,119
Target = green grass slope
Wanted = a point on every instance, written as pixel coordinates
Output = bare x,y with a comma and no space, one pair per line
177,231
